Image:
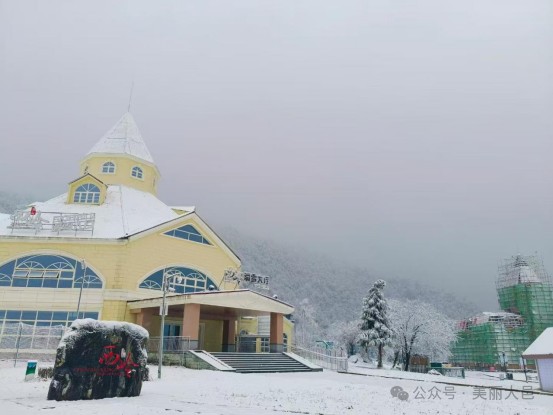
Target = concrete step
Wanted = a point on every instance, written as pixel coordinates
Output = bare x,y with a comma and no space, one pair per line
261,362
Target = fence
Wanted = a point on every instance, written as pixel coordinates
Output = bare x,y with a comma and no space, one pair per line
174,349
253,344
332,359
25,341
171,344
455,372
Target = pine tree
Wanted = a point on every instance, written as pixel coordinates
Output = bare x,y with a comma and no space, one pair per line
375,327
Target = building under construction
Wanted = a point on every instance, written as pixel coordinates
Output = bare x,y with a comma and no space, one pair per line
498,339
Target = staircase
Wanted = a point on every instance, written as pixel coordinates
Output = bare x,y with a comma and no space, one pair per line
262,362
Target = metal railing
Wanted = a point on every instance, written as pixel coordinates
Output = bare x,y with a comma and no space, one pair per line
249,344
171,344
55,222
455,372
25,341
333,359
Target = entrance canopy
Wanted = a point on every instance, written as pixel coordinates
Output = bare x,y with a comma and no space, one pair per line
235,303
224,307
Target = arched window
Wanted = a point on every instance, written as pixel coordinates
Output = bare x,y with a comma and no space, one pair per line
87,193
188,232
108,167
137,172
47,271
191,280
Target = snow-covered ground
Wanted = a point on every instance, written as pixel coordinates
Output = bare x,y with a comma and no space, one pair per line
208,392
472,378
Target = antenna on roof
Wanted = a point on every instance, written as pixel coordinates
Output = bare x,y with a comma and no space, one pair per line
130,97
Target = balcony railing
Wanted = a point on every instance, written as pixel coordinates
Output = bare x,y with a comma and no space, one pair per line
55,222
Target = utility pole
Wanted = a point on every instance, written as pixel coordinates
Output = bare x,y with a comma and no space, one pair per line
83,266
168,279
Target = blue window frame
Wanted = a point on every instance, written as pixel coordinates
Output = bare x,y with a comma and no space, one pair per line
189,233
5,281
13,315
44,315
191,280
28,315
108,167
137,172
42,318
47,271
87,193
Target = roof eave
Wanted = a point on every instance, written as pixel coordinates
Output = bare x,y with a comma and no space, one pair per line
538,356
88,174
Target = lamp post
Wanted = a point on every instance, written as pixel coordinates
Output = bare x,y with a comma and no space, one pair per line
83,266
168,279
524,366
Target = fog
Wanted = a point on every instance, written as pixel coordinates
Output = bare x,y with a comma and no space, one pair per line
410,137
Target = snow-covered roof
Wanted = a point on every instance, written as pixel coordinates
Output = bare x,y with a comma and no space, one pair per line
499,314
541,347
184,208
123,138
496,317
124,212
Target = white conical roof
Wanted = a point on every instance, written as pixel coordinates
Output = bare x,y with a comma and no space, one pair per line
124,138
525,272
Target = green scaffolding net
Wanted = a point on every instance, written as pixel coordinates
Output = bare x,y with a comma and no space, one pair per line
498,339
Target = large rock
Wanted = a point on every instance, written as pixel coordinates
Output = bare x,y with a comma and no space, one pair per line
99,359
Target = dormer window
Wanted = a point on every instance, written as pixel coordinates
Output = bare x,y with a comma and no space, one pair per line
108,168
87,193
137,173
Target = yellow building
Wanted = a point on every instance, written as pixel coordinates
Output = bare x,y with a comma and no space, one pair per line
105,247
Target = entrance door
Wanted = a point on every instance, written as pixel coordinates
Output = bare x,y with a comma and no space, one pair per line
201,333
171,339
171,330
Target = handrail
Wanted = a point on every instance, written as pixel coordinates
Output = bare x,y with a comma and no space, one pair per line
326,360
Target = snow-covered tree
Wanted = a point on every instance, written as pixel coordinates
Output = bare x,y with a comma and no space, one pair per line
9,202
296,273
375,327
420,329
307,329
347,335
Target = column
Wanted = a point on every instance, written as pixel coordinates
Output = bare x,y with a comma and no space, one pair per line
191,324
144,319
229,335
276,342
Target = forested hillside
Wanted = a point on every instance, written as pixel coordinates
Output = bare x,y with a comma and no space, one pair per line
11,201
325,290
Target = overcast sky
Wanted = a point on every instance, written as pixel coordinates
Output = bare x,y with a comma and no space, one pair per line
412,137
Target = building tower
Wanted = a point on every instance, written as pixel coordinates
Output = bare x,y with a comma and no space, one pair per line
524,288
525,296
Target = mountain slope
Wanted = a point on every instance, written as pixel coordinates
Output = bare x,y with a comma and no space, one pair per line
334,290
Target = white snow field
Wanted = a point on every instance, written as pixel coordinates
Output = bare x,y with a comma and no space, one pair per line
209,392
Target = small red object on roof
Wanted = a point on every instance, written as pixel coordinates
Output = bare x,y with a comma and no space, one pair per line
33,210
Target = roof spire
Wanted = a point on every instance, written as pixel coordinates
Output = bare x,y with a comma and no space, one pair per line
130,97
124,138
